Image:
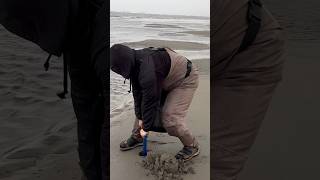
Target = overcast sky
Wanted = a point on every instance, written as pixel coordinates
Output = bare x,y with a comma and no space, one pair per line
172,7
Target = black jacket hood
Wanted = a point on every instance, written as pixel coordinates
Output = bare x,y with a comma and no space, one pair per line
122,60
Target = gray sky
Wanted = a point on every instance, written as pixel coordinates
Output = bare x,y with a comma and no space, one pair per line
176,7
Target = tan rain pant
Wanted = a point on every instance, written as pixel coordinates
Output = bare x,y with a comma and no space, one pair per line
244,84
180,93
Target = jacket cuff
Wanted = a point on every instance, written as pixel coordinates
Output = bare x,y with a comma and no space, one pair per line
138,116
146,129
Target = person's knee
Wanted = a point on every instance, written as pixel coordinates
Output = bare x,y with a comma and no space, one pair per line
172,131
167,117
177,130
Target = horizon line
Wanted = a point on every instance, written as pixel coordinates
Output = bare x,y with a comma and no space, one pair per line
160,14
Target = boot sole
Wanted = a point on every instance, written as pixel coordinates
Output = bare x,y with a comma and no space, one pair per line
194,155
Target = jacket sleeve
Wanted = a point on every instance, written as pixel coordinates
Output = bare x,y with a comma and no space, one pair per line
150,93
137,96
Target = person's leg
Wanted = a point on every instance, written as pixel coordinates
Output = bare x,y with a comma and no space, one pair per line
99,58
87,63
241,96
135,139
174,121
174,114
88,106
136,130
237,114
242,86
177,102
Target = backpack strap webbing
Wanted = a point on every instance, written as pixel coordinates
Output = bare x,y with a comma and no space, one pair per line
254,24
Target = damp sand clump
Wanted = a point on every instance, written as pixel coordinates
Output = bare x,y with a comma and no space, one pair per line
166,167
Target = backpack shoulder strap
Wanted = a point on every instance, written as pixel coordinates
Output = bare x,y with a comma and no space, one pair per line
254,24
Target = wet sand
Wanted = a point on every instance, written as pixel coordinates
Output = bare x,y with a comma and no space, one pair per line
125,165
154,25
197,33
177,45
37,129
203,65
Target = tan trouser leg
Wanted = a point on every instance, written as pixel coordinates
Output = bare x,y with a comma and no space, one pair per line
174,114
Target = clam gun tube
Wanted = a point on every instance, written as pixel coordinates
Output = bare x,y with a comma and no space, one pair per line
144,151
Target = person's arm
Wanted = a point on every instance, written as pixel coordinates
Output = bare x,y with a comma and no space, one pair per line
150,93
137,96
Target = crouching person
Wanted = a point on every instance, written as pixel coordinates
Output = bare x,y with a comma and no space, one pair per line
163,85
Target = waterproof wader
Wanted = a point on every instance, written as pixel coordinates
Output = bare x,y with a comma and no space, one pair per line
243,83
180,90
87,63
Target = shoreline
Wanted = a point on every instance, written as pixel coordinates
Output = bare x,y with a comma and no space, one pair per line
176,45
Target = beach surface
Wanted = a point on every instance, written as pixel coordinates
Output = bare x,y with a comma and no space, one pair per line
37,130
